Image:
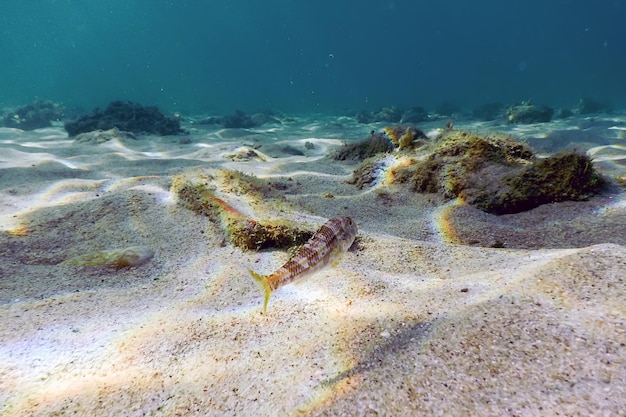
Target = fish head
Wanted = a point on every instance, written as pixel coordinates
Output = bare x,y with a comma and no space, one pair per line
348,232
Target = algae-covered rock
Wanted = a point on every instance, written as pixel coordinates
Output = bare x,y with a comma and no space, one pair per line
35,115
116,258
527,113
388,139
214,195
384,114
499,174
377,143
567,176
253,235
488,111
457,155
415,115
587,105
405,137
239,120
371,171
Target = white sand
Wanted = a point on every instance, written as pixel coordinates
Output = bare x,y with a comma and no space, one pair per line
406,324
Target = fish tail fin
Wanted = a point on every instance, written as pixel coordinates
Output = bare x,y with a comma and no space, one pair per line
262,279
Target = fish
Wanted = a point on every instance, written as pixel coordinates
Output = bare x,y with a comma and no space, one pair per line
326,246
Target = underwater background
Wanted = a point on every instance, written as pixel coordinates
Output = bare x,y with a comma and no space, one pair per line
311,56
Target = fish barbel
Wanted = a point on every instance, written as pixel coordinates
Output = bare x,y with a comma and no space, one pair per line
325,247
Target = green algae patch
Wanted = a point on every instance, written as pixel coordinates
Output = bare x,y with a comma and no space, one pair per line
499,174
116,258
221,196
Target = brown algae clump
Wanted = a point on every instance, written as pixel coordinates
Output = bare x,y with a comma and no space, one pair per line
198,193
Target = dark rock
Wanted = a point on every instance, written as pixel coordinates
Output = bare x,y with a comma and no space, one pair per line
126,116
415,115
384,114
447,109
563,113
388,114
290,150
588,105
526,113
238,120
265,117
209,121
36,115
363,116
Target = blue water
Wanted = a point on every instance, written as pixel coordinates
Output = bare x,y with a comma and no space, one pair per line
311,56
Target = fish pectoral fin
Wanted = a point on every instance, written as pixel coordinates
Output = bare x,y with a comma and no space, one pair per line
335,257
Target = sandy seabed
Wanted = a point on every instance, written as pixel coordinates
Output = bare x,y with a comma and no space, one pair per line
423,316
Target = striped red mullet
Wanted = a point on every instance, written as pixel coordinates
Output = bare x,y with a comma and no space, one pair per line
325,247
